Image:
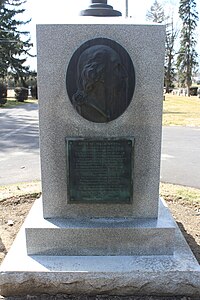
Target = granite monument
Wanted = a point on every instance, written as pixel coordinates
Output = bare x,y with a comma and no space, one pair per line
100,226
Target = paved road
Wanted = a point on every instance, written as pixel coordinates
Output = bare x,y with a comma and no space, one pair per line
19,144
19,149
180,162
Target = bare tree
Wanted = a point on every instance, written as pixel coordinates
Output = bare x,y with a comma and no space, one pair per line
156,13
171,36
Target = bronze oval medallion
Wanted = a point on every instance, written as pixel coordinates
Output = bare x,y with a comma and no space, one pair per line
100,80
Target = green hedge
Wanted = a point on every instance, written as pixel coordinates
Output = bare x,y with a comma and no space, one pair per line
21,94
34,93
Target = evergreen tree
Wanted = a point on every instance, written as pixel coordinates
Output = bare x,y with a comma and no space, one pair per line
187,56
14,44
156,13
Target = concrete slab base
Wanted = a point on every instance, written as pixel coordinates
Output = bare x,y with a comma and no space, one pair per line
177,274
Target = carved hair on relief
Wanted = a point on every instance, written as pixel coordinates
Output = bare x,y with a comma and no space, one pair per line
103,80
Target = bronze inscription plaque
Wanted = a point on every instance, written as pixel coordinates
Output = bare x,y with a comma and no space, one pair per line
99,170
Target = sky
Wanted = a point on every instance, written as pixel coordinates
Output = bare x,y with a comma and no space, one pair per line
60,11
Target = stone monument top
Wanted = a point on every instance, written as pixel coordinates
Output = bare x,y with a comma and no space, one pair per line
100,8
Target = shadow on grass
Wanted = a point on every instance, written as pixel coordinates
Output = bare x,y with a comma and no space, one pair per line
191,241
174,113
12,103
2,247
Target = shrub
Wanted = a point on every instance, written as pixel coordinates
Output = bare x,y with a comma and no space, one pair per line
193,90
21,94
34,93
3,94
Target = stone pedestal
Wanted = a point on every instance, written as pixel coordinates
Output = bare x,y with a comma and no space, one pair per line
141,121
100,227
100,236
119,245
22,274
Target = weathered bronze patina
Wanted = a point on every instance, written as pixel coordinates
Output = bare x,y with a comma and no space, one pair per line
100,8
100,80
99,170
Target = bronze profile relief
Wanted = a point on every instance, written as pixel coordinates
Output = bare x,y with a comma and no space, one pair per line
100,80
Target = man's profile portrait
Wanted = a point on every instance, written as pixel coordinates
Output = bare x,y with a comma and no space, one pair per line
101,90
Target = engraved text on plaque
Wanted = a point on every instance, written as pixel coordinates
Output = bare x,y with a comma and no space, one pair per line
99,170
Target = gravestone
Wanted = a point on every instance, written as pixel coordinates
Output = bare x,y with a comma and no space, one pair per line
100,226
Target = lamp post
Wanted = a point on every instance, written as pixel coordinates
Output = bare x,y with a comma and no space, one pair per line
100,8
126,8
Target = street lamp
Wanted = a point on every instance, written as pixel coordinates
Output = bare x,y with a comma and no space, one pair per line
100,8
126,8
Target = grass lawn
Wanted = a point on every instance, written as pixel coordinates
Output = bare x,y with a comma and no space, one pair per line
11,102
177,191
181,110
19,189
187,194
177,110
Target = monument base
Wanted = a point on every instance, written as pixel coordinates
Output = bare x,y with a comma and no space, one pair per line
99,236
177,274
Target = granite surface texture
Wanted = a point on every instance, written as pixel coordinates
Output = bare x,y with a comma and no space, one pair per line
141,120
177,274
114,249
99,236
